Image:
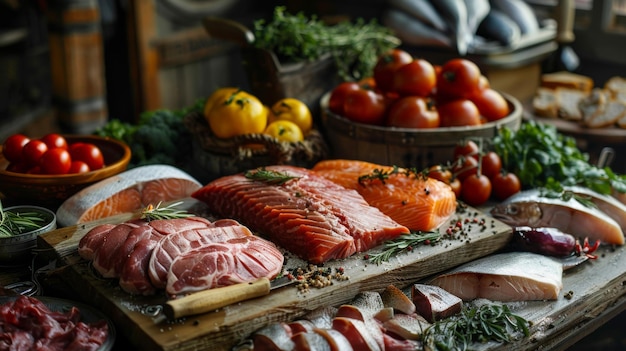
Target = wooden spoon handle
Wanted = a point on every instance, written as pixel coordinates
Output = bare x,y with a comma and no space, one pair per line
212,299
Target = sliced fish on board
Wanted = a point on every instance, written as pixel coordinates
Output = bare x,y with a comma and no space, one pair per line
606,203
531,208
419,203
127,192
512,276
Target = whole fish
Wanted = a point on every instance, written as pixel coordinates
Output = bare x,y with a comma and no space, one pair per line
532,208
511,276
520,12
423,10
477,10
501,28
455,13
412,31
606,203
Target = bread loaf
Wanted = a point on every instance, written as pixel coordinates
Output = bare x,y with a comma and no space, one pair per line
545,103
567,102
568,80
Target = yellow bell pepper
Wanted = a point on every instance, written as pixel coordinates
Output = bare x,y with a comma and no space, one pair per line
235,113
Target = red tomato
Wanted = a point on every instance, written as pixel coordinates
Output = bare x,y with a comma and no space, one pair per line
467,148
33,150
476,189
505,185
440,173
88,153
78,167
417,77
456,113
465,167
12,147
387,64
365,106
456,186
53,140
483,83
458,78
491,104
490,164
55,161
338,96
413,112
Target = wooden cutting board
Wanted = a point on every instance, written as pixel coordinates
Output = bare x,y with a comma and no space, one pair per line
224,328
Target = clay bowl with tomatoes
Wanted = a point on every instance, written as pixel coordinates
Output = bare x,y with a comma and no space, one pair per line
406,147
50,190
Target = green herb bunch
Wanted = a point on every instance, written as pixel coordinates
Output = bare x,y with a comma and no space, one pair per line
12,223
355,46
488,322
542,157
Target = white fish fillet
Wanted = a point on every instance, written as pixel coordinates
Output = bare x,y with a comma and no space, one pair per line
514,276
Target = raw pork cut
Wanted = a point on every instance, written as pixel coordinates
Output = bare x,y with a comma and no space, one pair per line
308,215
238,260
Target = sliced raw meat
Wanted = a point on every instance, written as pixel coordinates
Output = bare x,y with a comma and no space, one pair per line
406,326
435,303
177,225
513,276
413,200
308,215
104,260
176,244
91,241
336,340
238,260
127,192
273,337
310,341
357,334
134,278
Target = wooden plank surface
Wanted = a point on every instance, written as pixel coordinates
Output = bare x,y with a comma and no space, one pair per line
222,329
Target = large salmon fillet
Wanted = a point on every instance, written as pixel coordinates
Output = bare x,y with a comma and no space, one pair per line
415,201
308,215
126,192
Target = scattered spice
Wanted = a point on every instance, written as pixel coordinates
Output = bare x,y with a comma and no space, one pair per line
313,276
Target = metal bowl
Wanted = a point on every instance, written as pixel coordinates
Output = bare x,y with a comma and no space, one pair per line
17,248
51,190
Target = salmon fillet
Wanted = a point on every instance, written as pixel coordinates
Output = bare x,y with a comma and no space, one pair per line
419,203
309,215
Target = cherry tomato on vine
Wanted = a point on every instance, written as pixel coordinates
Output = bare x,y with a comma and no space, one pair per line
55,161
365,106
33,151
12,147
491,164
417,77
476,189
461,112
467,148
458,78
440,173
338,96
88,153
413,112
491,104
466,166
455,185
505,185
387,64
53,140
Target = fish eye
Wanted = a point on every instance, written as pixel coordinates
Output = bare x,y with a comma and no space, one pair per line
512,210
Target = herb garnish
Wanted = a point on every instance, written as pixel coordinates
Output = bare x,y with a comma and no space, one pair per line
151,212
269,176
406,242
489,322
383,175
12,223
355,47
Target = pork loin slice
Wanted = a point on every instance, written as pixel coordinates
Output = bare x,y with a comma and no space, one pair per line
91,241
134,278
104,260
238,260
176,244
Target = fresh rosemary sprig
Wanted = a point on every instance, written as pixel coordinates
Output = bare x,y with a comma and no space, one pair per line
12,223
269,176
151,212
488,322
405,242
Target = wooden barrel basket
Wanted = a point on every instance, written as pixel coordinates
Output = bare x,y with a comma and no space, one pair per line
405,147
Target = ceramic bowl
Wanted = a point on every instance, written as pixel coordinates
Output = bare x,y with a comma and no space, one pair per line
17,248
51,190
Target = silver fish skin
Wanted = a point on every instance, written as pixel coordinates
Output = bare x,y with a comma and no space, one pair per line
606,203
412,31
455,13
477,10
511,276
531,208
501,28
520,12
423,10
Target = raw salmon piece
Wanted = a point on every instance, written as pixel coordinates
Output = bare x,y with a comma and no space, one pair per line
309,215
514,276
127,192
530,208
419,203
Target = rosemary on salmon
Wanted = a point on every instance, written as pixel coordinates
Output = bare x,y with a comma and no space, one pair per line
269,176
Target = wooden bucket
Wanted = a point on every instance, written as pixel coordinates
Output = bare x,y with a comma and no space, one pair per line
77,61
404,147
